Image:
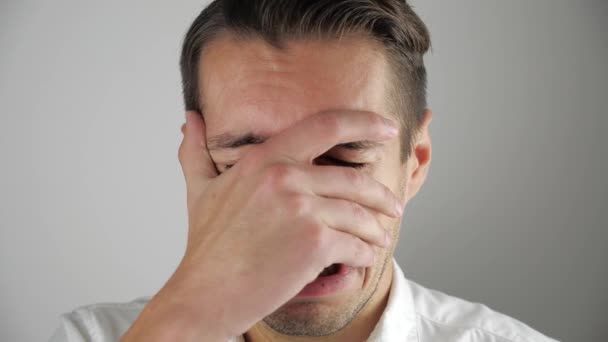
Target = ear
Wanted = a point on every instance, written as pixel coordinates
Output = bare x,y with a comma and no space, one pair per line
420,158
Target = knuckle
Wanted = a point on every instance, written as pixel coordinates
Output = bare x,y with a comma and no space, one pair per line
330,124
280,172
279,175
354,177
358,212
298,205
315,236
378,122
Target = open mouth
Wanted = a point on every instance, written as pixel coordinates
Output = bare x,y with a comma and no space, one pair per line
333,279
330,270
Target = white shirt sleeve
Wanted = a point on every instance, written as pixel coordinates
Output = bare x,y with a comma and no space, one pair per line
73,327
101,322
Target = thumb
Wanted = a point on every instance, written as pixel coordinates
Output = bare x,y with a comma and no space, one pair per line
197,166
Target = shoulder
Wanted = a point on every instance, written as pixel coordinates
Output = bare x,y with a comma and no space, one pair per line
442,317
98,322
101,322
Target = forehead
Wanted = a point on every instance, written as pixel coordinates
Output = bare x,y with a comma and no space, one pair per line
248,85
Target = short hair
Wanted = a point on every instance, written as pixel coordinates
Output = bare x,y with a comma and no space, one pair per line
393,23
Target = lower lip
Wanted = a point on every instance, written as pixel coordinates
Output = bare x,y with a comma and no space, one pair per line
324,286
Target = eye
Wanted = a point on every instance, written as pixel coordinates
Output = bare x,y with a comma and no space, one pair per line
332,160
340,162
223,168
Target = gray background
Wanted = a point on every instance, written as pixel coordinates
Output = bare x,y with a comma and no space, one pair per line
92,199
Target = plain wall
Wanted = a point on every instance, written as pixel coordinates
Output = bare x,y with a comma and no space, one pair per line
513,214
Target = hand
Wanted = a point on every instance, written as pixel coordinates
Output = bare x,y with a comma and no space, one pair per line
262,230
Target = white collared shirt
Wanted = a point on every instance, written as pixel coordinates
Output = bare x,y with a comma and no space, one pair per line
413,314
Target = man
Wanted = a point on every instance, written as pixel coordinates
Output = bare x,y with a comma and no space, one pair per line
306,135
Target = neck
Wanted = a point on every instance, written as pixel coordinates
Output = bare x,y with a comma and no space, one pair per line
357,330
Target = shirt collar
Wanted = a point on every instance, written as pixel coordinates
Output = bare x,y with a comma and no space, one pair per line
398,319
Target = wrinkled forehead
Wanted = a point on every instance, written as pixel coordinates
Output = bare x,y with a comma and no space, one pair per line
247,84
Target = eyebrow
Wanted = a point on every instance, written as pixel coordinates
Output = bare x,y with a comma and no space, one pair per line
232,141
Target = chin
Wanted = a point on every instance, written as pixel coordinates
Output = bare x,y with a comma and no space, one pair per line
325,313
313,317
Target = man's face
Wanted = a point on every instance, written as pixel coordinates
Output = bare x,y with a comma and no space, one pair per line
247,86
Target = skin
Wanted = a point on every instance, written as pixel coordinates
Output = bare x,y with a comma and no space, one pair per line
304,101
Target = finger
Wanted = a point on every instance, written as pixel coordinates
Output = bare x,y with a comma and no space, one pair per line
316,134
352,218
197,166
353,185
349,250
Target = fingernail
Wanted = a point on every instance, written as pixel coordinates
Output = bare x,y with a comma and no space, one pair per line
392,131
391,123
392,127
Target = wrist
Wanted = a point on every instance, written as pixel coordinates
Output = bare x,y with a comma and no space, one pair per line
170,317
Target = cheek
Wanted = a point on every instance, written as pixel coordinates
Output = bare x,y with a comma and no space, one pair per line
392,225
388,168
